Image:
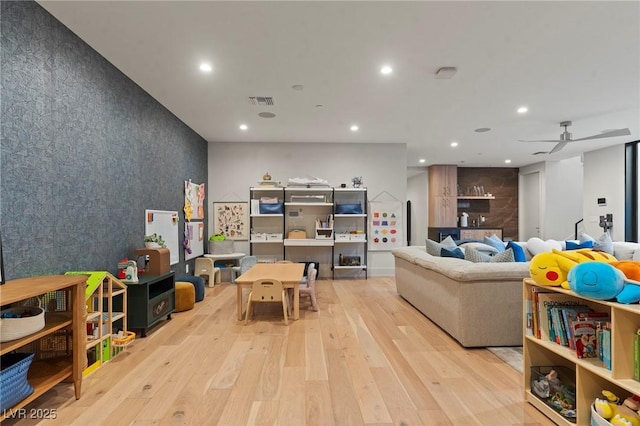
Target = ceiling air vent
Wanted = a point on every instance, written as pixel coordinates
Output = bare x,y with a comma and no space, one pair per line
261,100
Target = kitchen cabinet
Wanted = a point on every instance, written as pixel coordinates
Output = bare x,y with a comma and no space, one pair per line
443,196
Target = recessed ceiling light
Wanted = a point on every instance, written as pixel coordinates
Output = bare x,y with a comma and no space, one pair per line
422,160
507,161
243,127
319,106
297,87
266,114
386,70
204,67
454,144
354,128
482,129
522,110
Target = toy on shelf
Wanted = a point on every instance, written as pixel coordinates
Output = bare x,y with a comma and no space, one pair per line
604,281
552,268
616,411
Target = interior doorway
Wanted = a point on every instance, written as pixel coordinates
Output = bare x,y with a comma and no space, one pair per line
530,206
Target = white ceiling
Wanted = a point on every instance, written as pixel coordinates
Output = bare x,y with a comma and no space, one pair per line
570,60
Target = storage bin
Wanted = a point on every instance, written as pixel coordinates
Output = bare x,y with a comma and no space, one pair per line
221,247
259,236
557,390
324,233
15,328
13,379
274,237
358,237
597,419
297,234
271,208
349,208
342,237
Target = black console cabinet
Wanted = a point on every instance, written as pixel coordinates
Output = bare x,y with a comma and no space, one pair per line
149,300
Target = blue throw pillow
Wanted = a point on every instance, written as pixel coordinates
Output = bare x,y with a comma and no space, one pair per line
495,242
572,245
456,252
518,251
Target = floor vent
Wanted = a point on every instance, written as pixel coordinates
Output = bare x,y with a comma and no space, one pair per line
261,100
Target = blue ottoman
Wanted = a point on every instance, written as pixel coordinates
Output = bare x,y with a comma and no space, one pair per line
198,285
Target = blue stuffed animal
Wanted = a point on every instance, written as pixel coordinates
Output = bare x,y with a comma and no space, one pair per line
603,281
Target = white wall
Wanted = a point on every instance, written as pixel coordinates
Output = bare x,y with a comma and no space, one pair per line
604,178
235,167
418,192
563,198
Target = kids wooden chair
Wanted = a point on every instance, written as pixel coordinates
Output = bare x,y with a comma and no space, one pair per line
204,266
266,291
308,287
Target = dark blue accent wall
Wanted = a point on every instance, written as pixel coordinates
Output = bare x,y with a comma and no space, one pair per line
84,151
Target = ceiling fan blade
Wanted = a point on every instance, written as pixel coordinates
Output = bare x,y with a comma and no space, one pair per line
611,134
558,147
541,140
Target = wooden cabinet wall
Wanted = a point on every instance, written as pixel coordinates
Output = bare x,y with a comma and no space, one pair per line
443,196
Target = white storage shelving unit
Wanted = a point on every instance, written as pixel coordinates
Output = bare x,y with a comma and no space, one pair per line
267,230
345,225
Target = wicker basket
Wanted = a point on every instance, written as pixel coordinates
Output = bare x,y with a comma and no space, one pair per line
13,379
124,340
15,328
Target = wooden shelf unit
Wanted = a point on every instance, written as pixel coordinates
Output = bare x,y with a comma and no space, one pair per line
46,372
591,376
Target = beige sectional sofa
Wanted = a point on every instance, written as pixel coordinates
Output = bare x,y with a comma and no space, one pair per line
478,304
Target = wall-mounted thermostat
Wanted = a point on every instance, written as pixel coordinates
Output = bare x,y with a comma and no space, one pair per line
602,201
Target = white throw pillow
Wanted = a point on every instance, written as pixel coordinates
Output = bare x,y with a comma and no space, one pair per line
535,245
485,248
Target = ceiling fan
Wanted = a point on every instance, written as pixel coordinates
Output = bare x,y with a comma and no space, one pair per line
565,137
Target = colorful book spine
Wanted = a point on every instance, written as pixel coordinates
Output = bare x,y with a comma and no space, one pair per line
636,355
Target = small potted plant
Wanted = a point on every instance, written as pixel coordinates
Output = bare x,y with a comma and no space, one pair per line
154,241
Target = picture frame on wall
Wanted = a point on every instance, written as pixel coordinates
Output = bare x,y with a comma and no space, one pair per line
231,219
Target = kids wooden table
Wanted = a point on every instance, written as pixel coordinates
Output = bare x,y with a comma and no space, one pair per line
289,274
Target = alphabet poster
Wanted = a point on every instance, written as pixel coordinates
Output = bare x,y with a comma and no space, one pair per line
385,225
232,220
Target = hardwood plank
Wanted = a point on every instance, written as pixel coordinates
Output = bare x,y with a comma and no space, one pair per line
367,357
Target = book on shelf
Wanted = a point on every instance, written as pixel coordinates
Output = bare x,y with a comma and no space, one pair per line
545,302
584,331
603,332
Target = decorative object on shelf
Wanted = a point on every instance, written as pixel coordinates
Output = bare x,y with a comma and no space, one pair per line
356,181
154,241
556,387
266,176
231,219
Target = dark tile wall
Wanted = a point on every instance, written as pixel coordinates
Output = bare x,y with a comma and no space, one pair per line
84,152
502,183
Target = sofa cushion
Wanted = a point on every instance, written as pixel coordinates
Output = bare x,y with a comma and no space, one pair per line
456,252
572,245
604,242
434,247
623,250
495,242
535,245
486,248
474,255
519,253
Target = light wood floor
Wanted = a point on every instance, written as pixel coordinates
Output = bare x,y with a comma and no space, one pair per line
367,357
